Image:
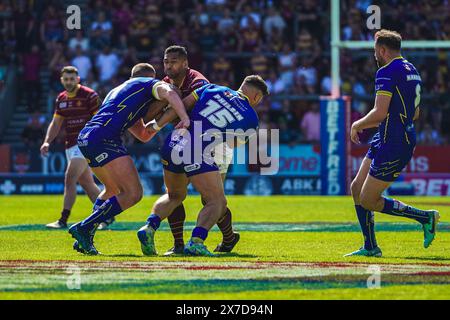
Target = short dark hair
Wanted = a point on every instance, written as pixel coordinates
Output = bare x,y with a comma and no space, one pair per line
177,49
257,82
69,69
388,38
143,70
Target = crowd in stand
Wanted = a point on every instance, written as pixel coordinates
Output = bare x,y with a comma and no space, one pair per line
287,42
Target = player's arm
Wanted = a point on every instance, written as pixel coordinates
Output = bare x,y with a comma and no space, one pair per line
416,114
52,132
373,118
171,115
140,132
163,91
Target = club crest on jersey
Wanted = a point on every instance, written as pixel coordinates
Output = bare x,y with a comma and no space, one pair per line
101,157
228,94
63,105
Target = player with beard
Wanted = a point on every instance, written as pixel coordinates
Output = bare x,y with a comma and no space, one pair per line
74,107
178,73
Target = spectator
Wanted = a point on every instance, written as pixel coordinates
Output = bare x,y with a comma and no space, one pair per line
23,25
108,64
307,70
226,22
310,124
101,30
274,20
122,19
33,133
79,40
250,17
52,26
82,62
429,136
274,84
31,75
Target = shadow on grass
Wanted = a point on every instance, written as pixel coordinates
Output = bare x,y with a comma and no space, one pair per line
124,255
235,254
435,258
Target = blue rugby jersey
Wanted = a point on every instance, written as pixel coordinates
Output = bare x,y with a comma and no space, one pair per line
124,105
222,108
400,80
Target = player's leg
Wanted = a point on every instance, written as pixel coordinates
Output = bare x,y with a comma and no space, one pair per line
75,168
176,185
176,223
86,181
229,237
365,217
223,156
372,199
210,186
122,191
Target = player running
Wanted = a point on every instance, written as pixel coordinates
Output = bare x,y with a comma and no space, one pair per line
178,73
397,87
101,144
214,107
73,108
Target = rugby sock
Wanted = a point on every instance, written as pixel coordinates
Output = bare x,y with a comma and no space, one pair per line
109,209
398,208
367,223
154,221
176,223
64,216
98,203
200,233
225,225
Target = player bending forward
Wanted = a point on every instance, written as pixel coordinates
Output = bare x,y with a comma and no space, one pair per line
397,87
214,107
73,108
176,67
101,144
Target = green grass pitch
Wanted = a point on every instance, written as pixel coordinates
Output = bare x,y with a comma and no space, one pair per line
290,248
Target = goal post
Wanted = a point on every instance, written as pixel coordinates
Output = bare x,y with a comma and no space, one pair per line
336,100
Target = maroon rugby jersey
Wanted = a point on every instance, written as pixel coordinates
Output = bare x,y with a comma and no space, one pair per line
193,80
76,108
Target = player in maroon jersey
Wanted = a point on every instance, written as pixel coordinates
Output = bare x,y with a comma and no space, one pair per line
179,74
73,108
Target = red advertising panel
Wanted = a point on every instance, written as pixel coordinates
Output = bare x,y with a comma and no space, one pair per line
426,159
5,158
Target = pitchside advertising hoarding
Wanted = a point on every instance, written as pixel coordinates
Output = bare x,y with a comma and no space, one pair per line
29,173
303,169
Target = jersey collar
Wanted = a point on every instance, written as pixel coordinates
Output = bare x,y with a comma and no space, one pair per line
243,95
396,58
74,93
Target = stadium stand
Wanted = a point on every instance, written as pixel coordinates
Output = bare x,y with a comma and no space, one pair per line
285,41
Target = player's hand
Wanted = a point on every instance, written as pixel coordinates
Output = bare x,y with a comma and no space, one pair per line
44,149
183,124
354,133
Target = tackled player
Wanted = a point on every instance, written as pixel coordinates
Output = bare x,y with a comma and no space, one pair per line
100,142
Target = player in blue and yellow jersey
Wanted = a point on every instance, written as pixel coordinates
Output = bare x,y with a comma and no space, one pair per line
398,88
100,142
188,156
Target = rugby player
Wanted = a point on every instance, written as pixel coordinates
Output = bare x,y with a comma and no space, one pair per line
73,108
178,73
397,87
213,107
100,142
